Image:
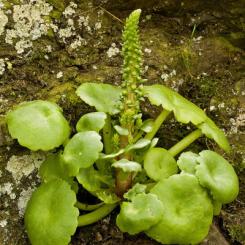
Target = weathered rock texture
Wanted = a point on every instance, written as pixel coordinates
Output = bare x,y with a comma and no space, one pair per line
48,48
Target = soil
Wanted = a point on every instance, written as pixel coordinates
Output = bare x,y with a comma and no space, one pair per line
195,47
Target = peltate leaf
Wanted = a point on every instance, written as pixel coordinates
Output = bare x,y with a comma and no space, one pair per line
188,211
53,168
187,162
38,125
210,129
127,166
93,121
144,211
82,151
104,97
159,164
51,217
217,175
184,110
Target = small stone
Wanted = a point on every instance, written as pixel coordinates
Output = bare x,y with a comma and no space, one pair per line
49,48
6,189
112,51
164,77
147,50
2,66
3,223
70,9
98,237
3,21
59,75
97,25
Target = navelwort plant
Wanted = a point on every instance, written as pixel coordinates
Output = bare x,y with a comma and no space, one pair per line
114,156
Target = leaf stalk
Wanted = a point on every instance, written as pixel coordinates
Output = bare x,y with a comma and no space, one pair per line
100,213
185,142
157,124
107,135
87,207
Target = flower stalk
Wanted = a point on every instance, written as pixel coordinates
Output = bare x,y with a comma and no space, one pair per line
131,95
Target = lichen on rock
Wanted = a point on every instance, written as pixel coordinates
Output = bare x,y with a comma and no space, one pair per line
25,195
3,21
29,24
20,166
2,66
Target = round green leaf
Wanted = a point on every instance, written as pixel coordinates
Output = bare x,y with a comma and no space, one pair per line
144,211
210,129
184,110
51,217
52,168
188,211
217,175
82,151
159,164
104,97
38,125
187,162
93,121
127,166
